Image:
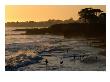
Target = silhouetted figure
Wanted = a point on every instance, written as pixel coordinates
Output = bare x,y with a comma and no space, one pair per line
96,58
80,57
46,61
67,50
61,62
74,57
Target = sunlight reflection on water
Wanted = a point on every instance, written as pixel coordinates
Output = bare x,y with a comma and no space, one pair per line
57,46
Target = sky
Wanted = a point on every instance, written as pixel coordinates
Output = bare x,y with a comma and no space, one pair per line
44,12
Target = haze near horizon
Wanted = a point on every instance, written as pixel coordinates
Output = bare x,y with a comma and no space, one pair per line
45,12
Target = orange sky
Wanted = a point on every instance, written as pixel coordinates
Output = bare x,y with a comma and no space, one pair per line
44,12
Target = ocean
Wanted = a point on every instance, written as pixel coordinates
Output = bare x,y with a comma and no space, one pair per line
29,52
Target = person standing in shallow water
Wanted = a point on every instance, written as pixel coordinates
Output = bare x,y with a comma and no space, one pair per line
67,51
61,63
46,62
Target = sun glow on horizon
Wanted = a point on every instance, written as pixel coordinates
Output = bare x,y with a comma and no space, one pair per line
44,12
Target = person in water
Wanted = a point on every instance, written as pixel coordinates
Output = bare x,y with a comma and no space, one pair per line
46,61
61,64
61,61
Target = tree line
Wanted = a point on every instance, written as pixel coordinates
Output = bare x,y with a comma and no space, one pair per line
92,22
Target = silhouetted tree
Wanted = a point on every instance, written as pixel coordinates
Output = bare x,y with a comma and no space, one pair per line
84,13
102,18
89,15
97,12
